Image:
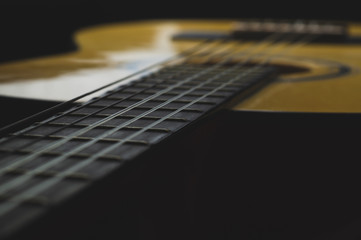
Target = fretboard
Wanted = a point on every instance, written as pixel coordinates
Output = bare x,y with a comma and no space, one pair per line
50,161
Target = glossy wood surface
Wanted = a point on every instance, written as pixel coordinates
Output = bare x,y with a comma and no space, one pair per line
110,52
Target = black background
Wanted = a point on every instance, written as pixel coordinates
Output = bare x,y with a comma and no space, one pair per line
33,28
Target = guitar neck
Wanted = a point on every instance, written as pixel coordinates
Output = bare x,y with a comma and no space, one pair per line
49,161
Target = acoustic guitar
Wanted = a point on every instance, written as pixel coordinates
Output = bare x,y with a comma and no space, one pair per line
182,129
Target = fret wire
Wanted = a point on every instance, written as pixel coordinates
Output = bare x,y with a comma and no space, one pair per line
161,120
84,130
18,181
39,188
33,191
74,122
85,116
132,120
112,147
54,161
186,53
58,116
81,119
190,52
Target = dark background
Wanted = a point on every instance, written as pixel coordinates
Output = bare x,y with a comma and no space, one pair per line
33,28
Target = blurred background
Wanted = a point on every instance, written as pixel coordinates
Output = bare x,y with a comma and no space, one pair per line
32,28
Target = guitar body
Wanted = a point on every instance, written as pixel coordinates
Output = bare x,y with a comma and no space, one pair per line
328,83
281,163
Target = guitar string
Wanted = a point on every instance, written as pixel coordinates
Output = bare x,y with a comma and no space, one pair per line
163,104
39,188
100,109
23,132
43,187
72,110
17,180
58,143
24,175
180,110
190,52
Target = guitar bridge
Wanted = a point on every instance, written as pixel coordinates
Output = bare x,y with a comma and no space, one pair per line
258,30
317,30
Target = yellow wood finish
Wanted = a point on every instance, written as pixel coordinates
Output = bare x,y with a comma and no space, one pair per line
107,53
